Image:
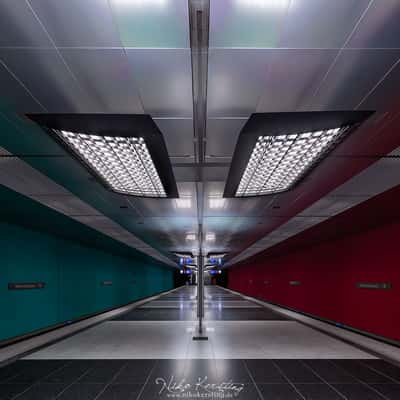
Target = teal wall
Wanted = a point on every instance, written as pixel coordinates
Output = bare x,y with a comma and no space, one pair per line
73,273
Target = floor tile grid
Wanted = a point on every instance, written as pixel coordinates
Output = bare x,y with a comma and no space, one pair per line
379,371
363,383
9,378
147,381
254,382
37,382
289,381
90,369
323,380
110,382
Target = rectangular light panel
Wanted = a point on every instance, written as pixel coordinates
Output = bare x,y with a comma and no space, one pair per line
183,203
216,202
124,163
278,162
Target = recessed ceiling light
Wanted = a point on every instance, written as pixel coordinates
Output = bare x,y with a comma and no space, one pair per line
210,237
140,3
125,152
264,4
216,202
183,203
190,236
275,151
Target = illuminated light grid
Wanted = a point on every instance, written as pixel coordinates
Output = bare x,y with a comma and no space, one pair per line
278,162
124,163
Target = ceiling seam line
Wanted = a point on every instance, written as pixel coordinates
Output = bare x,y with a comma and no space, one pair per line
378,83
22,84
340,52
72,74
125,54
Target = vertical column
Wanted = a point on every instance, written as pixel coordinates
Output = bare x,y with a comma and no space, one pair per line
200,292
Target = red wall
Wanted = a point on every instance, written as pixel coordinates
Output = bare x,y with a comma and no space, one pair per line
329,273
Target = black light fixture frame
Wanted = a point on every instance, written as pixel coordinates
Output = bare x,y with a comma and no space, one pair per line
286,123
114,125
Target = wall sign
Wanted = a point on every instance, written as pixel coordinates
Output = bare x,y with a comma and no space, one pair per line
25,285
374,285
106,283
295,283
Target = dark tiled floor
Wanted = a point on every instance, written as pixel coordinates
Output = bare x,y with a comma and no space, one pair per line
156,379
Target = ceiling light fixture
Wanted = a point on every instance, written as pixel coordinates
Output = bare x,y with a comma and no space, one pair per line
190,236
275,151
183,203
264,4
216,202
140,3
210,237
126,153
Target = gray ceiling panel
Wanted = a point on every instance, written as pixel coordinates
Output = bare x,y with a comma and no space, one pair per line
164,79
246,23
152,23
222,134
46,76
13,93
293,77
380,26
384,95
331,205
354,74
178,136
236,81
18,176
309,23
215,173
19,26
185,173
217,206
67,204
78,23
106,77
185,206
383,175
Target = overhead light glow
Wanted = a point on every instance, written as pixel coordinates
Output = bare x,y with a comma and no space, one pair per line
141,3
190,236
124,163
183,203
210,237
263,4
216,202
278,162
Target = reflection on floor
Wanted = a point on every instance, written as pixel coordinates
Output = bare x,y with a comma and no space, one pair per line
252,353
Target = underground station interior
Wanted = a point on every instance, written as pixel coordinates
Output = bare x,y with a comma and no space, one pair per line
199,199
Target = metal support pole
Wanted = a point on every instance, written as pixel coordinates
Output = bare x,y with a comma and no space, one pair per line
200,292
